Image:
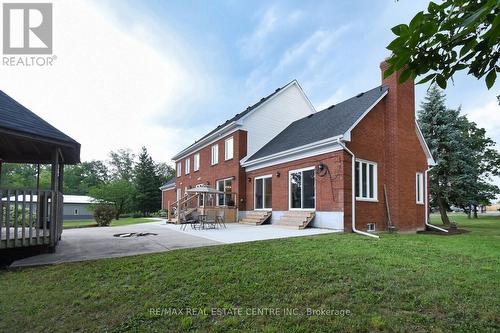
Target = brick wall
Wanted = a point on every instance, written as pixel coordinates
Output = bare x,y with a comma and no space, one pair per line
208,174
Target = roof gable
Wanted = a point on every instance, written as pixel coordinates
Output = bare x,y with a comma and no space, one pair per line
331,122
236,120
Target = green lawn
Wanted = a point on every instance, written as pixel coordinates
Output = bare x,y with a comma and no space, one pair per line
114,223
401,282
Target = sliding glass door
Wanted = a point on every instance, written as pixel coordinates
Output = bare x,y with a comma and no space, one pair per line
302,189
263,192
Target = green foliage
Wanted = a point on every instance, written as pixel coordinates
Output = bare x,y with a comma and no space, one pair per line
465,157
104,214
122,164
23,176
448,37
120,193
78,179
147,183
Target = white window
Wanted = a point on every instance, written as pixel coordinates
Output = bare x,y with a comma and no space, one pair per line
75,212
366,181
196,163
179,169
188,165
420,188
215,154
370,227
225,185
179,194
263,192
302,192
228,148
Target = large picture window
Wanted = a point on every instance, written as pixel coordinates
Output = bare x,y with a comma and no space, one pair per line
225,185
420,188
263,192
366,180
302,189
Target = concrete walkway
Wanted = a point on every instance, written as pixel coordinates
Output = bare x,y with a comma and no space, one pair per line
96,243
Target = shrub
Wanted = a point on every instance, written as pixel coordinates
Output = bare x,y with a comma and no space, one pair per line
104,214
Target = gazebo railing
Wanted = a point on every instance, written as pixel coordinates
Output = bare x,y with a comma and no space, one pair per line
30,218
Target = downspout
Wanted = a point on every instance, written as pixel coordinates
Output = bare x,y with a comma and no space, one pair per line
427,204
353,192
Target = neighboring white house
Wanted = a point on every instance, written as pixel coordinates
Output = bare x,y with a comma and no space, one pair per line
75,207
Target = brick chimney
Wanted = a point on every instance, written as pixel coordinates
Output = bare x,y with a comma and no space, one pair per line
400,150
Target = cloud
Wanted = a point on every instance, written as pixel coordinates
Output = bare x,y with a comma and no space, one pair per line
271,21
110,82
312,50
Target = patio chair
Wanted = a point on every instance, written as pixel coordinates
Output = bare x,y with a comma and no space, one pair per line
211,220
220,218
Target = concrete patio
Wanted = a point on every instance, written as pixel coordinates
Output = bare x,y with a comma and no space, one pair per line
98,243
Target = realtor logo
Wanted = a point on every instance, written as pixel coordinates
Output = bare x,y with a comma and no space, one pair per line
27,28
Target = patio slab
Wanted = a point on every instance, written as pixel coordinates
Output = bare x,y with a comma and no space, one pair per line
240,233
97,243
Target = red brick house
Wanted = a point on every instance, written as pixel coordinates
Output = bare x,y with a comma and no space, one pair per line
282,156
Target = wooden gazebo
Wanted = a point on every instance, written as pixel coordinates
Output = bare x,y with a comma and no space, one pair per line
27,138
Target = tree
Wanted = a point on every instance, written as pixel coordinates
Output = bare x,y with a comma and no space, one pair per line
483,161
118,192
122,164
449,37
147,183
441,130
165,172
78,179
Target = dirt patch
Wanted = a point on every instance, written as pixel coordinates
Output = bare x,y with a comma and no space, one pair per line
451,232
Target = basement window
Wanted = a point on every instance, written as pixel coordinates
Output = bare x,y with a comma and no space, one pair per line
370,227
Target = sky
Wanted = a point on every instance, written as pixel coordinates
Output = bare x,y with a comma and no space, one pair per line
160,74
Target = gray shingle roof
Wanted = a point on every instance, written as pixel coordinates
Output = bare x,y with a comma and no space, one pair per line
328,123
237,116
15,117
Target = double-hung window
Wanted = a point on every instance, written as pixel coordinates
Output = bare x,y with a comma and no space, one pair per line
196,162
302,192
188,165
215,154
420,188
228,148
366,180
179,169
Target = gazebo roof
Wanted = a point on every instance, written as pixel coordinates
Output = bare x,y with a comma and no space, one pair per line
27,138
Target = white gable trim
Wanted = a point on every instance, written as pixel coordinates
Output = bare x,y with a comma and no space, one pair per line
235,124
347,134
309,150
427,151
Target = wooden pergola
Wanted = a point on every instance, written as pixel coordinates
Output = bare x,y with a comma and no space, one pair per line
27,138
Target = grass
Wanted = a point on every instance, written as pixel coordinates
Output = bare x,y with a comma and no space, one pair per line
401,282
115,223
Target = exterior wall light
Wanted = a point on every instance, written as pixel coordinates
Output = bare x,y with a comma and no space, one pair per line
278,174
249,179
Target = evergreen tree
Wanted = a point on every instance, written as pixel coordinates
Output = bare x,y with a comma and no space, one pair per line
442,132
147,183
